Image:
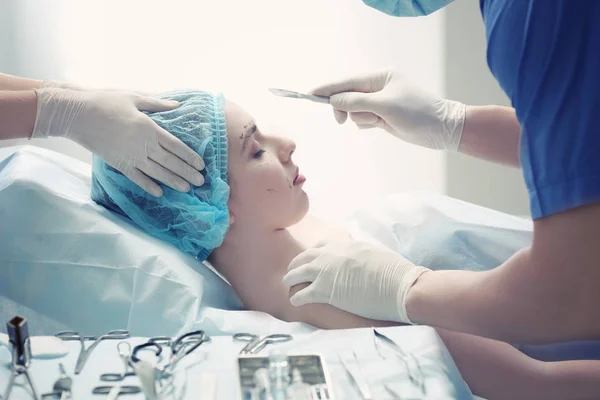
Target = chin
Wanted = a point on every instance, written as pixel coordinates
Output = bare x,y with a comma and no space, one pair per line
300,209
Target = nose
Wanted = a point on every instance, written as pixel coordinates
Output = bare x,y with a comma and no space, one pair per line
286,149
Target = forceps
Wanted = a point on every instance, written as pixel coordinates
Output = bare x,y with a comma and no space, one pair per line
84,353
124,350
363,388
416,379
256,344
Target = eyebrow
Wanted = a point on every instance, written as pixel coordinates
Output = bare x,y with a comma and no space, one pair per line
250,129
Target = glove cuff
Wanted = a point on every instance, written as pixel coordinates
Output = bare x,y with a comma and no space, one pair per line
453,114
408,280
49,113
40,128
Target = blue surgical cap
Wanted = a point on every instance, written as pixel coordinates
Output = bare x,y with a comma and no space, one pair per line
195,222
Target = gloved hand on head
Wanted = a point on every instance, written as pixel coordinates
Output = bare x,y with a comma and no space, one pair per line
112,125
357,277
388,100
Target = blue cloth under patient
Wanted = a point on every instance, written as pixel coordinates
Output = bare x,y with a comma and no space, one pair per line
195,222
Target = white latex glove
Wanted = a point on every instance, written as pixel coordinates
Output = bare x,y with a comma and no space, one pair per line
111,125
388,100
357,277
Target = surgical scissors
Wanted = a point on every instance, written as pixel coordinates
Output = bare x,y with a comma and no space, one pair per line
163,374
256,344
180,347
84,353
124,350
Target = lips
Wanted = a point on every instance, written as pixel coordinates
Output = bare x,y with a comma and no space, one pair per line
299,179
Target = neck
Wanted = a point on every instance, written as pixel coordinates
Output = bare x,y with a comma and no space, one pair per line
254,261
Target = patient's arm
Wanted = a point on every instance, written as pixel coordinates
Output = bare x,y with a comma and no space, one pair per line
10,82
492,369
497,370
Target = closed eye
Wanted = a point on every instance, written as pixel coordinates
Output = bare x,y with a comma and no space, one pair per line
258,154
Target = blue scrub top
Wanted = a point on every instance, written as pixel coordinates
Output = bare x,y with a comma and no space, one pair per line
546,56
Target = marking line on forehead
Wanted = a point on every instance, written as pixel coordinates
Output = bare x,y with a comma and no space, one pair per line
250,129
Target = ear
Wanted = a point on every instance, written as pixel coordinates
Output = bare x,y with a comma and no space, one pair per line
231,218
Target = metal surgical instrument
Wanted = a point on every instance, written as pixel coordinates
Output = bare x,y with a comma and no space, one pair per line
362,387
157,377
417,379
296,95
180,347
122,390
256,344
84,353
18,334
124,350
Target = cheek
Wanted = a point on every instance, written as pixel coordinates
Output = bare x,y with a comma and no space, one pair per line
262,184
264,191
271,178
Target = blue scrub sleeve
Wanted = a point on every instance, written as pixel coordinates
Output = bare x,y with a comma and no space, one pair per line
546,56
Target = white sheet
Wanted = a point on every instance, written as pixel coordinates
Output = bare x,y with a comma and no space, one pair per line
67,263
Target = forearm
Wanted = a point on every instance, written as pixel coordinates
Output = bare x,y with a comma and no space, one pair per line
491,133
497,370
18,111
547,293
492,369
521,301
10,82
324,316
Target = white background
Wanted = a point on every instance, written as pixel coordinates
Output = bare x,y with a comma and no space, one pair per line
241,47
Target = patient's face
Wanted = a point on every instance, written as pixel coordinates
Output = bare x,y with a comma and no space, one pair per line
261,174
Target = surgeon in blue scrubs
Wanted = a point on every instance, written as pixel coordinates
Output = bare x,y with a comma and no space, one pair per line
546,56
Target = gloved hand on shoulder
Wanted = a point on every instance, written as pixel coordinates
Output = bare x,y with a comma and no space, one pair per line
357,277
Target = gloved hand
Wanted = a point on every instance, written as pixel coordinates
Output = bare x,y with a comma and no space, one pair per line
388,100
357,277
111,125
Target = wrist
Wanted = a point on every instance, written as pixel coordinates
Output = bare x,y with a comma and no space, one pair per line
409,279
413,299
454,116
52,108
